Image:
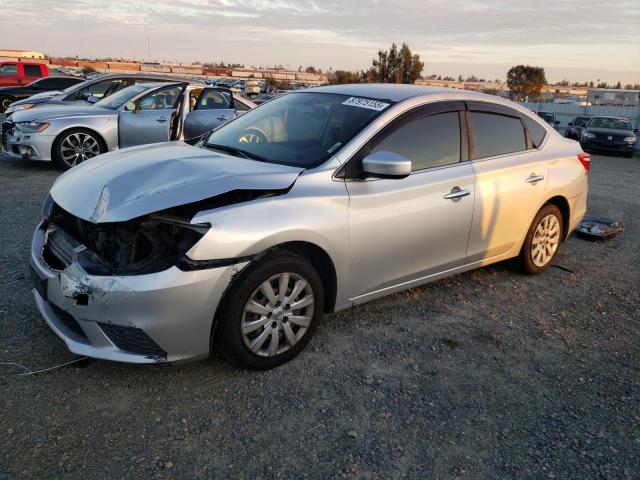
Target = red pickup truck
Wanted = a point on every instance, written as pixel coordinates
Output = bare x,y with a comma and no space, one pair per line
13,74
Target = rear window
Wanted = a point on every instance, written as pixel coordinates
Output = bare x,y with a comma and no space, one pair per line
495,134
32,71
536,131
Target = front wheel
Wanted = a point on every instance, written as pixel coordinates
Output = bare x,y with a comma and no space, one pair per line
5,102
542,241
271,311
75,146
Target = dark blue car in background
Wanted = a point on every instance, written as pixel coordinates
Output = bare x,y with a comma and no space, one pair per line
610,134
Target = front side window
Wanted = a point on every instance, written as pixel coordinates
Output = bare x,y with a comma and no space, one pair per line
32,71
300,129
8,70
98,89
581,122
163,99
428,141
495,134
51,82
118,99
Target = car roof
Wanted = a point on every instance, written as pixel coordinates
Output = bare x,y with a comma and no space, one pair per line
398,92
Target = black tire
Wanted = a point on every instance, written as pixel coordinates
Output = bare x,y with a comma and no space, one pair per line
527,262
228,338
5,102
57,147
628,154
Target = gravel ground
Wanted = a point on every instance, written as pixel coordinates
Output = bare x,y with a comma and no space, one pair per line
489,374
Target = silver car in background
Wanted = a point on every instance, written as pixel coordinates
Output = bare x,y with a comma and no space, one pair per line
314,202
85,93
136,115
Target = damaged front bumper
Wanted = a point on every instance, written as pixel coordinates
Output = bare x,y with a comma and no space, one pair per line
150,318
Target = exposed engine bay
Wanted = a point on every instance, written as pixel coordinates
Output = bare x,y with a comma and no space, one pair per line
143,245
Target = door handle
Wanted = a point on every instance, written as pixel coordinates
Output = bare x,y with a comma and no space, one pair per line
161,119
457,193
534,178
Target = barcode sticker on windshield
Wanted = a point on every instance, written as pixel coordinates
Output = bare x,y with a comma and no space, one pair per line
365,103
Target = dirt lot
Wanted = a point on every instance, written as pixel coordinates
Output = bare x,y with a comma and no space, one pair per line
490,374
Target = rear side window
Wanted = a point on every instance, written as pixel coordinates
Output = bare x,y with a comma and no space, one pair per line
66,82
428,141
495,134
32,71
214,100
536,131
8,70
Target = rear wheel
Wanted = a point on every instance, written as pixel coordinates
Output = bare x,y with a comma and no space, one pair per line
75,146
542,241
628,154
271,312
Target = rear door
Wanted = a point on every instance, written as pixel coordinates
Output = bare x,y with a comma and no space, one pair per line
154,119
213,107
511,178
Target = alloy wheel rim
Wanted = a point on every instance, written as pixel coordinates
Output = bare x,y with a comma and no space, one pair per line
78,147
5,103
546,239
277,314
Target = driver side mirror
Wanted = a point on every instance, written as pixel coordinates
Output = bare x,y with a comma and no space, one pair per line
637,130
570,124
130,106
85,95
93,99
386,165
556,122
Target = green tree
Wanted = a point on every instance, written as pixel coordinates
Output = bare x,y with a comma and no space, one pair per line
396,66
340,77
525,82
87,69
618,85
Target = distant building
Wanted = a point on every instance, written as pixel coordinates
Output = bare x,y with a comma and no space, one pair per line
614,96
22,54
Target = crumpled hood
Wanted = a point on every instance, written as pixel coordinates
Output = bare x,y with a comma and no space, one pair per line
132,182
51,112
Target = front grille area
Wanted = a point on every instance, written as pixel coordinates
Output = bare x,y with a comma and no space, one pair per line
6,129
132,340
68,320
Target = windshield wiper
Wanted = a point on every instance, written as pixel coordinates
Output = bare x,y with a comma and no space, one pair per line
236,151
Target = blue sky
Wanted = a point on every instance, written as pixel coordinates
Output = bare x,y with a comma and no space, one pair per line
579,40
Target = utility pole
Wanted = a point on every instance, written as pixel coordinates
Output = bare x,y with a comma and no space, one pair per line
148,49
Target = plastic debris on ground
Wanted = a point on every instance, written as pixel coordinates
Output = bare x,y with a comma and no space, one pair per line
595,228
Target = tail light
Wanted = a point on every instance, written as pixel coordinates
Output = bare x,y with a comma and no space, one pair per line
585,160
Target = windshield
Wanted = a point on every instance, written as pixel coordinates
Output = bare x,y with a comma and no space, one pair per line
120,98
613,123
300,129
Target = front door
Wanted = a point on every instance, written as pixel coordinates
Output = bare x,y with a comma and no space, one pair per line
154,118
405,230
213,107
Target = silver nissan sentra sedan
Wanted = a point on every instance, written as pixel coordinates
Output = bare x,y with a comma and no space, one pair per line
314,202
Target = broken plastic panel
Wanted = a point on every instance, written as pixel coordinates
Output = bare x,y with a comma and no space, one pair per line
597,228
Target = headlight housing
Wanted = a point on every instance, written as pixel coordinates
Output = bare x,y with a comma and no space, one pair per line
19,108
588,135
630,139
32,127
